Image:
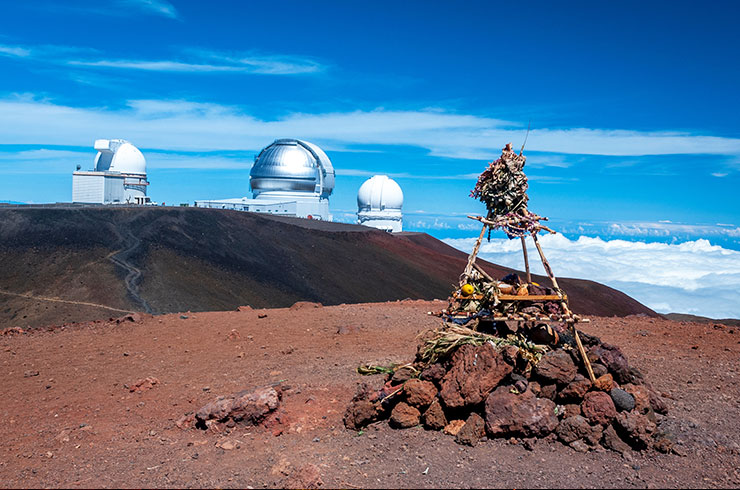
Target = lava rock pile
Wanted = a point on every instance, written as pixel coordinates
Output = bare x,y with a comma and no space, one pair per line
482,389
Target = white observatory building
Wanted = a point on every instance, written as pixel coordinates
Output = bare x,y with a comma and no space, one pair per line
289,177
379,203
119,176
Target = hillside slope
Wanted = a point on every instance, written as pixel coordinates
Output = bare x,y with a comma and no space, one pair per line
72,263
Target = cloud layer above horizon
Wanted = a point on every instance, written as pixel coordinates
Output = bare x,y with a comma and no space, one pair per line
693,277
185,125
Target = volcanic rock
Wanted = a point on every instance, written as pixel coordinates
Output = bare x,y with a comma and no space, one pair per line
577,427
454,427
635,428
611,440
664,441
404,416
641,396
434,417
604,383
402,375
548,391
475,371
598,369
657,403
557,367
598,408
576,389
419,393
623,401
473,430
144,384
433,373
519,415
359,414
614,360
249,407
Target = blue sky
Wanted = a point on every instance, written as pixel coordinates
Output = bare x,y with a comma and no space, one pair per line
633,105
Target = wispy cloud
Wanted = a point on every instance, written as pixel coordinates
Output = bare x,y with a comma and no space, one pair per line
185,125
14,51
188,61
156,7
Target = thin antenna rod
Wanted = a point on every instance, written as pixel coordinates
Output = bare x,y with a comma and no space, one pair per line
529,125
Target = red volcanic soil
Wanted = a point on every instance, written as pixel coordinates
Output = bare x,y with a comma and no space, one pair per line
70,420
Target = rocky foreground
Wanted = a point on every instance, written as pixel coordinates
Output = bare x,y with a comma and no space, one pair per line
106,404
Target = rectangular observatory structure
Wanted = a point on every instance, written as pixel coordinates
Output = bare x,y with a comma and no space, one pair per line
97,187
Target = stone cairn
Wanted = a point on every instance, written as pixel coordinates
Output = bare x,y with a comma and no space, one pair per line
508,361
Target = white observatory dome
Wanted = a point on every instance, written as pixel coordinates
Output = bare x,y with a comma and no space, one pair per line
379,203
292,168
119,156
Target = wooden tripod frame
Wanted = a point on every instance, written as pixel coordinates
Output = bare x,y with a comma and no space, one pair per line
532,227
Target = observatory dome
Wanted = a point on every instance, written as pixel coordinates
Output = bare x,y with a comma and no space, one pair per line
291,167
379,193
119,156
379,203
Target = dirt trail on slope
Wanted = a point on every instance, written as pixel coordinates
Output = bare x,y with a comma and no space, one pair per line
67,301
76,423
122,258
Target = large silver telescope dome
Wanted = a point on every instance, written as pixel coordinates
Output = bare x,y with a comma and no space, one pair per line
291,165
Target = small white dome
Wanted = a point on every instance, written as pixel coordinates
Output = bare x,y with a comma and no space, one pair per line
119,156
379,193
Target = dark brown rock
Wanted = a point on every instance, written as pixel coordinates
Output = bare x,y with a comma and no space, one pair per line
404,416
657,403
475,371
664,441
598,369
524,415
359,414
641,396
576,389
511,353
402,375
419,393
433,373
249,407
635,428
611,440
535,388
614,360
572,409
473,430
548,391
598,408
434,417
556,367
577,428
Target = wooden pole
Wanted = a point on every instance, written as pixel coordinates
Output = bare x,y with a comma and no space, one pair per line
545,263
526,261
471,258
583,354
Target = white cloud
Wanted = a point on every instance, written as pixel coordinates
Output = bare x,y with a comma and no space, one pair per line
211,62
692,277
156,7
14,51
185,125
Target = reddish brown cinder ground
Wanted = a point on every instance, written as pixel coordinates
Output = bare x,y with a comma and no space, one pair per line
76,424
